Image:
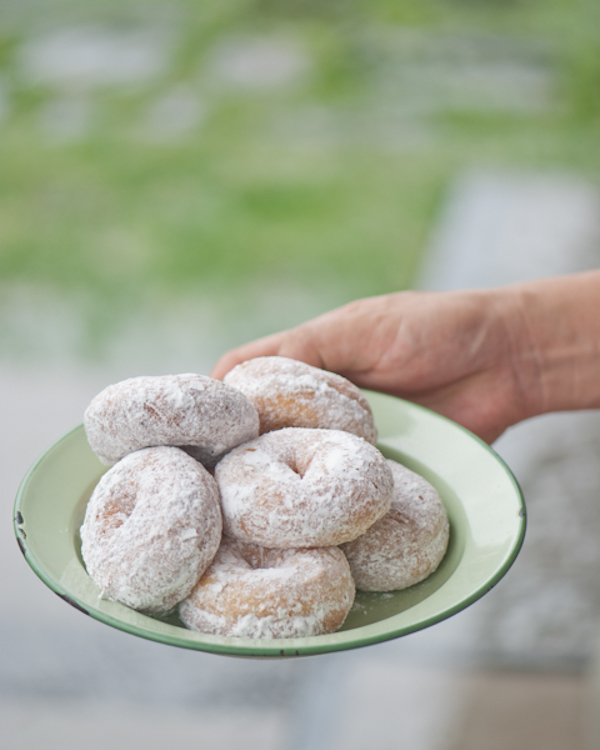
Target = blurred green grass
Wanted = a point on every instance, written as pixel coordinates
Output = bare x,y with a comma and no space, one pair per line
315,180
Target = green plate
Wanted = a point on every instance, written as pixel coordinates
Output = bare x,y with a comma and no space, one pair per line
484,503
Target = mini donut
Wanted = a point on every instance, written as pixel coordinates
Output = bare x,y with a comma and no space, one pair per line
408,543
152,527
201,415
288,393
251,592
301,487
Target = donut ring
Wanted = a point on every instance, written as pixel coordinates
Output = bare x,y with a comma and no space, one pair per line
300,487
252,592
151,528
288,393
408,543
203,416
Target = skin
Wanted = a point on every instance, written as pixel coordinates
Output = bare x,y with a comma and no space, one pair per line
484,358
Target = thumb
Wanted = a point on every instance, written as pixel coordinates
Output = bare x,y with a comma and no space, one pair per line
297,343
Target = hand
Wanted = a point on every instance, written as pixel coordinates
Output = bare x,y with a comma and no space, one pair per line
487,358
451,352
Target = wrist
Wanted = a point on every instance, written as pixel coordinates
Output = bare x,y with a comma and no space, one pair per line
554,328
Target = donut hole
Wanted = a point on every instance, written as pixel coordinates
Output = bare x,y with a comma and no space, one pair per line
296,468
112,517
299,461
117,510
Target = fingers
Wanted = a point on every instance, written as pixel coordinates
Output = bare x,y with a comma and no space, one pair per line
298,343
265,347
346,340
447,351
302,343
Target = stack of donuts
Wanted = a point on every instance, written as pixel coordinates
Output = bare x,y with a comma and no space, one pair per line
256,505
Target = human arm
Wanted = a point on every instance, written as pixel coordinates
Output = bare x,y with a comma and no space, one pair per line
485,358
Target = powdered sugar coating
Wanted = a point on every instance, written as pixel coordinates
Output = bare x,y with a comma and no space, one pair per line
251,592
202,415
288,393
408,543
301,487
152,526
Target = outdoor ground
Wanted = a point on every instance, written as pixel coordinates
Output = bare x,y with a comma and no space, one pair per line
149,150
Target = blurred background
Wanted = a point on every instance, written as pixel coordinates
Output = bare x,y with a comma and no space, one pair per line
177,178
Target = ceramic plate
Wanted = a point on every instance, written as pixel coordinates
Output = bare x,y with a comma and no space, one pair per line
484,503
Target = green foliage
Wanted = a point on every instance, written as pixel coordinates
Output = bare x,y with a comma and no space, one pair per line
333,177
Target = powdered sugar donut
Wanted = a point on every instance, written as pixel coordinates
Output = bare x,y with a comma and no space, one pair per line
288,393
253,592
152,526
203,416
408,543
301,487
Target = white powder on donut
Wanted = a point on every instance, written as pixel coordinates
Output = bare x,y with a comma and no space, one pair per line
154,523
251,592
203,416
301,487
408,543
152,526
288,393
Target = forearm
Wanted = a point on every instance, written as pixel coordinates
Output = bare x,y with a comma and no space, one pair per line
554,327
